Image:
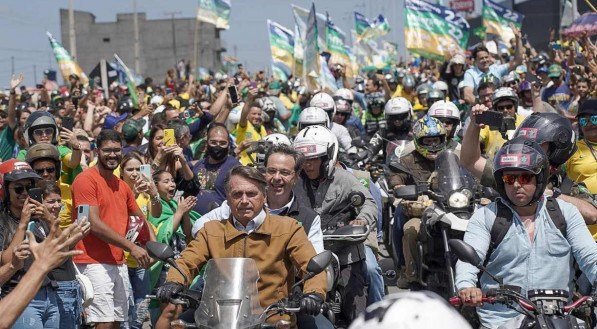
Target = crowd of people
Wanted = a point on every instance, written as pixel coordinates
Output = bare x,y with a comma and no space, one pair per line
249,166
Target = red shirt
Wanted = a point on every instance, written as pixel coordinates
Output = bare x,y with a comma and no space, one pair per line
115,201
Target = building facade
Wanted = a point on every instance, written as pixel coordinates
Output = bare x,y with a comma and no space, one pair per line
162,42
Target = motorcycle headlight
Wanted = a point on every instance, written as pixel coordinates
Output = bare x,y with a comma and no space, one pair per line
458,200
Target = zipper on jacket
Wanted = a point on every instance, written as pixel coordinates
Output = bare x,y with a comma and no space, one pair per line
245,247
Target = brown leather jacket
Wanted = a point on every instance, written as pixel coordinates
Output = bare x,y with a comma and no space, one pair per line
278,246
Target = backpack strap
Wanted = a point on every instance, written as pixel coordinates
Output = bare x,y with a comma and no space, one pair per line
501,225
556,215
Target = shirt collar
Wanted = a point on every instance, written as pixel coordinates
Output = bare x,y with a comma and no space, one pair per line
284,208
252,225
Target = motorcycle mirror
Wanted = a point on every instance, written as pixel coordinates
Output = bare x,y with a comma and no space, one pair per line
407,192
356,198
159,251
465,252
319,262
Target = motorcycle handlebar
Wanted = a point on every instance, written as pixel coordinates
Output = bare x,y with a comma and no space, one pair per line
457,302
175,301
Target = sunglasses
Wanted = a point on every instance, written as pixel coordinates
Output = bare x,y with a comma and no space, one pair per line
584,121
21,189
521,178
43,131
49,170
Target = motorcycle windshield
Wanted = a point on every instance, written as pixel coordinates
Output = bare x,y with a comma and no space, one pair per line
230,298
450,175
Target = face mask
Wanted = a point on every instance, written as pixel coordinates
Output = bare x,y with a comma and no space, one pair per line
217,153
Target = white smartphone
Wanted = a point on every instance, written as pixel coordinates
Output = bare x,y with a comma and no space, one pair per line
146,170
82,211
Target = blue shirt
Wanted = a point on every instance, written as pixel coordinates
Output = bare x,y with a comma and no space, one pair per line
211,178
559,97
544,264
473,76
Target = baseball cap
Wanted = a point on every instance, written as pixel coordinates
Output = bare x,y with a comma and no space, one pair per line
521,69
457,59
542,69
588,107
111,121
132,128
275,85
554,71
14,170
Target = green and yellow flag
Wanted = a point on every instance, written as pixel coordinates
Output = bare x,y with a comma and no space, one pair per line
66,63
216,12
434,31
497,20
281,42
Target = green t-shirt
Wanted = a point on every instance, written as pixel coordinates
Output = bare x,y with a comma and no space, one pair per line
7,143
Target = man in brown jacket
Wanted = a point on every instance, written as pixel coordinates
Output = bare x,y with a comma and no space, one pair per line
277,244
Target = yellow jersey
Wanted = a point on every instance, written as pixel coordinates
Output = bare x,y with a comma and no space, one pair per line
493,140
582,165
248,133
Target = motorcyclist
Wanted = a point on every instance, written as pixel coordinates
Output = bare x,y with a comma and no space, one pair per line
555,134
429,136
537,230
270,121
407,89
325,102
313,116
247,231
399,117
443,87
421,105
352,122
435,95
374,117
325,188
449,115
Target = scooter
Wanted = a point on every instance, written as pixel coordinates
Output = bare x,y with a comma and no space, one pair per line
454,192
230,297
540,309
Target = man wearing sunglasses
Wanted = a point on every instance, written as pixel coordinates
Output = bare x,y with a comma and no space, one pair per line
582,165
540,234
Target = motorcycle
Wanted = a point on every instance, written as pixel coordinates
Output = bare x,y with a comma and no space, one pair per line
454,193
542,308
230,297
338,238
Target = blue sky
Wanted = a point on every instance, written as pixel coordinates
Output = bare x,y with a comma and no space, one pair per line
23,25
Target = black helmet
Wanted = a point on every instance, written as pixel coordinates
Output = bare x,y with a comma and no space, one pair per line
521,154
39,119
46,152
125,105
553,129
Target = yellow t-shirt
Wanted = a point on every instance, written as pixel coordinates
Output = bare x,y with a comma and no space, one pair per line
411,97
67,205
493,140
582,166
248,133
143,203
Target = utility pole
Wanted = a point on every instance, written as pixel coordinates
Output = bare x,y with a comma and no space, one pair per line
197,37
12,65
136,32
71,30
34,73
172,14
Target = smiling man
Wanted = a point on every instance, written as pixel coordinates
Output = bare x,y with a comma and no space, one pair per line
110,202
526,239
278,244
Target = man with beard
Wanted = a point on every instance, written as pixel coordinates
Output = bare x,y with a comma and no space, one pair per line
213,168
110,202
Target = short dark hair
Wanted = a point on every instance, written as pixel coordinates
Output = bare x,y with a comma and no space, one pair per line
298,157
479,49
180,128
246,172
108,135
48,188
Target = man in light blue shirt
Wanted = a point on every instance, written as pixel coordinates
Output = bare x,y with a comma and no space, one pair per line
534,254
282,165
485,65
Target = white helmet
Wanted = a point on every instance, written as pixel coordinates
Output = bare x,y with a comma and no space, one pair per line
405,310
278,139
345,94
271,140
316,142
324,102
313,116
233,117
397,106
343,106
157,100
267,104
440,85
444,109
